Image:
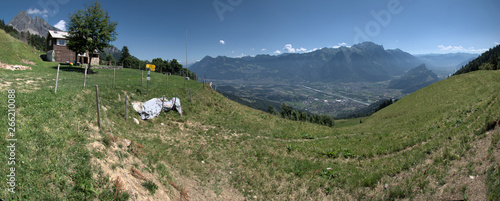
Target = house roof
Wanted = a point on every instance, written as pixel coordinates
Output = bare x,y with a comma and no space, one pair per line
58,34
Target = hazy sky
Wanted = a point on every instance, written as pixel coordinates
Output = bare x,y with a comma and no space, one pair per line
153,29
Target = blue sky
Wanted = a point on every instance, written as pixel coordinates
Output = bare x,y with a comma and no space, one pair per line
156,29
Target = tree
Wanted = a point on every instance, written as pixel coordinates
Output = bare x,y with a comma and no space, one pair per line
90,30
271,110
286,111
176,67
110,58
159,63
125,55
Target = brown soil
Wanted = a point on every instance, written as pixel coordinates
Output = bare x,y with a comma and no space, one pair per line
14,67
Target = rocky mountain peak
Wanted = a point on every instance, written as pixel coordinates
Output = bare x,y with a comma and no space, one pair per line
23,22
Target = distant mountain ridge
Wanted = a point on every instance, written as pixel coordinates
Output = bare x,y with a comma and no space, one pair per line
113,51
366,61
415,79
23,22
445,60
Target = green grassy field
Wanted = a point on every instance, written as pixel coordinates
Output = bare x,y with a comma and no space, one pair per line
423,147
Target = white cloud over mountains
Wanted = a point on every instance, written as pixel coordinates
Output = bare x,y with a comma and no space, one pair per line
459,48
222,42
340,45
61,25
290,49
36,11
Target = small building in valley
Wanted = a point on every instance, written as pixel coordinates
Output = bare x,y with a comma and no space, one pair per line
58,51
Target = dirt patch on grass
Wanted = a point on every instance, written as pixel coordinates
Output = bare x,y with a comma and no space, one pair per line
111,165
14,67
5,85
24,85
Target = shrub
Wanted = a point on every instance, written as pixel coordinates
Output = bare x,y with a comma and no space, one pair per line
150,186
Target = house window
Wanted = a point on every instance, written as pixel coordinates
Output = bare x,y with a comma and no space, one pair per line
62,42
50,42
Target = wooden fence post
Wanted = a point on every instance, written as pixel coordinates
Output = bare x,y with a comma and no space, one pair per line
190,99
57,78
142,78
85,77
98,108
126,107
114,72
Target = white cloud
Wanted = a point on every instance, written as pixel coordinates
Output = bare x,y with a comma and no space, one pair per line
340,45
263,49
222,42
61,25
277,52
312,50
459,48
301,49
451,48
35,11
496,43
253,49
288,48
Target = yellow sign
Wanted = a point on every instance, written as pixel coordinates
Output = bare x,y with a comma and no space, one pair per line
151,67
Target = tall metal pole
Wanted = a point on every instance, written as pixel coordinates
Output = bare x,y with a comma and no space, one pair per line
186,58
186,49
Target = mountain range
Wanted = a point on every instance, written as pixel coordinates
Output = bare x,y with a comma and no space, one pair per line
23,22
445,60
362,62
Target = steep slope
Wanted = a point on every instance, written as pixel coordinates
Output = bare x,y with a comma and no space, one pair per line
13,51
487,61
24,23
362,62
415,79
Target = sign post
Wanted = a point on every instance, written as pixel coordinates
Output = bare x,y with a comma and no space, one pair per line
149,67
148,78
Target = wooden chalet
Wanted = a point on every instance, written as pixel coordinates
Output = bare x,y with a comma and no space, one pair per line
58,52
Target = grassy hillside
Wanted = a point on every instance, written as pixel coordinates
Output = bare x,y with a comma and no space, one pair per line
13,51
425,146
